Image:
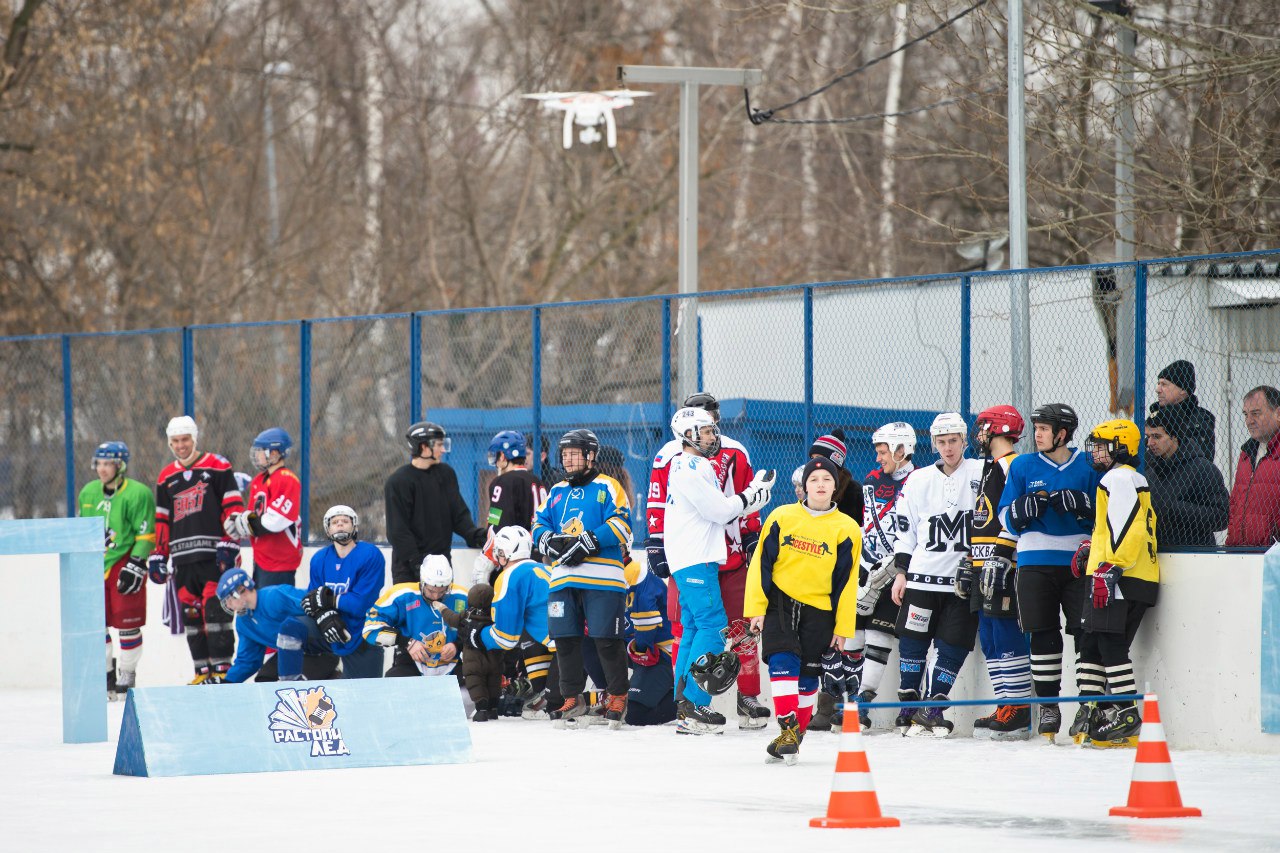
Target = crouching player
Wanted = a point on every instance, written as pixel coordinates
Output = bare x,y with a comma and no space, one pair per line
651,697
802,595
405,618
1123,575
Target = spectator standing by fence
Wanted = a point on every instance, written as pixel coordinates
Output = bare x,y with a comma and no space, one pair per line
1255,494
1187,492
1176,400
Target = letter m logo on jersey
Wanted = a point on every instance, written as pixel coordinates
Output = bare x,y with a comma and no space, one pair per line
948,532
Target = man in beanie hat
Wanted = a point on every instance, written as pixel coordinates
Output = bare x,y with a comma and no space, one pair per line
1177,404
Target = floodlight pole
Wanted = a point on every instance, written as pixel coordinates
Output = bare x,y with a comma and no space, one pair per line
689,79
1019,285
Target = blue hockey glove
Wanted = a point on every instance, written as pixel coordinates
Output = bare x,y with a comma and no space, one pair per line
133,575
833,672
158,568
1073,502
1105,578
1026,509
227,554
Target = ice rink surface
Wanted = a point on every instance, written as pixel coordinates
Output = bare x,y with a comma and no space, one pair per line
532,789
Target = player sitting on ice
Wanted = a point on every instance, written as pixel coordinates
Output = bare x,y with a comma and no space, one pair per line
1119,563
405,618
802,590
933,519
271,617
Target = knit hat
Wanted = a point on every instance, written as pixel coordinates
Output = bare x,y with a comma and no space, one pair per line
818,463
1181,373
831,446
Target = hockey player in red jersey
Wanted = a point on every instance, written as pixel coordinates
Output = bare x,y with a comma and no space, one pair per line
733,473
271,519
195,495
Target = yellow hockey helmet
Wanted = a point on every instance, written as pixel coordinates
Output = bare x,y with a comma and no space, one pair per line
1119,437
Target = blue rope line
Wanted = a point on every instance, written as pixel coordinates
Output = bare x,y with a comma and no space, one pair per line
956,703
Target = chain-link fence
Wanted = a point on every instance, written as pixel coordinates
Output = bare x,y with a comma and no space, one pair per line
787,363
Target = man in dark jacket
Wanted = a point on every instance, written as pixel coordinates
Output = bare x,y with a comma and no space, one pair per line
1187,492
1176,400
424,506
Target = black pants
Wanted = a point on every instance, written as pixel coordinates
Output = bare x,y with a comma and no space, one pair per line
573,674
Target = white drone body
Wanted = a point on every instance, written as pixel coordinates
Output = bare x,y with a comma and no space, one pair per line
589,110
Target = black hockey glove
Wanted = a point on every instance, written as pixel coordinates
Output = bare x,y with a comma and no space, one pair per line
852,670
965,573
997,574
1072,501
469,635
547,547
657,560
833,672
225,555
586,545
317,602
1026,509
749,543
1105,578
133,575
1080,559
333,628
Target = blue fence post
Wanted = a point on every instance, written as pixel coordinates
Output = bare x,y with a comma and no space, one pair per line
808,367
304,418
68,426
966,342
188,372
666,361
535,443
1139,350
415,368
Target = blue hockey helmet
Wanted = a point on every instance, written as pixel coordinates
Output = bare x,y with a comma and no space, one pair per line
112,451
232,582
508,443
268,440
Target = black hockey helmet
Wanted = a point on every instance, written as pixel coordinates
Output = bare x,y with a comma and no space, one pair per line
715,673
583,439
1057,416
703,400
425,432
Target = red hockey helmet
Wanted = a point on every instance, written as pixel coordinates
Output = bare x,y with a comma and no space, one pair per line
1001,420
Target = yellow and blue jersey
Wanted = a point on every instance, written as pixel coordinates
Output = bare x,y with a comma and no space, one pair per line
601,507
647,622
519,606
402,610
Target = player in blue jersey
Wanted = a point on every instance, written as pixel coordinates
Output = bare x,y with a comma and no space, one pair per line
1047,504
271,617
407,617
580,528
651,698
346,578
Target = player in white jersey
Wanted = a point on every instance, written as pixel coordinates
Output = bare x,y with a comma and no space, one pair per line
934,512
697,512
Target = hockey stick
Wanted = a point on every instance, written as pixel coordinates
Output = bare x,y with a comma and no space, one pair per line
869,499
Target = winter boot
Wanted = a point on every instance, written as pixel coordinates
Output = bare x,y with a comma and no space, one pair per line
903,723
1050,722
929,722
786,746
694,719
482,714
1119,728
568,714
751,714
1012,722
821,719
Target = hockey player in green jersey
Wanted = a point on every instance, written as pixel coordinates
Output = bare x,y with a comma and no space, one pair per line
128,511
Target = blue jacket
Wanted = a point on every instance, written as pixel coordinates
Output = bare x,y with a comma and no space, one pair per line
1052,539
599,506
356,580
256,630
519,606
402,610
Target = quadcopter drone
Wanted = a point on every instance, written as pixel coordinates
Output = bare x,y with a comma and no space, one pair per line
589,110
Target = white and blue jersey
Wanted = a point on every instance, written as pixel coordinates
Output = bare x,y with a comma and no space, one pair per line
600,506
402,610
355,579
519,606
1051,539
256,630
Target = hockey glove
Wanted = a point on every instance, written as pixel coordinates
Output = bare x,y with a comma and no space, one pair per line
1105,578
833,672
546,548
242,526
657,559
997,574
852,670
1072,501
333,628
749,543
133,575
1080,560
158,568
1026,509
469,634
227,556
758,492
318,601
883,573
964,577
868,598
229,525
586,545
481,569
646,656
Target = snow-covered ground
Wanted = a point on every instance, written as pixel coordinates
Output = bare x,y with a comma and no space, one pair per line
532,789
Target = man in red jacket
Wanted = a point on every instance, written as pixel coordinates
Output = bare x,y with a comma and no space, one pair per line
1255,494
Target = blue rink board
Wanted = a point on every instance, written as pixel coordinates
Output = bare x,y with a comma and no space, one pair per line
298,725
1270,669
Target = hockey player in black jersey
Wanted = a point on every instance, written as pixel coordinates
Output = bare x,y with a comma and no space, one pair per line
514,495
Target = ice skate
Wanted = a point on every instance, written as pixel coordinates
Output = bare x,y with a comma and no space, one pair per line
569,714
125,679
982,725
1050,722
929,722
595,715
903,722
112,693
535,707
785,748
751,714
1118,729
1012,722
615,708
864,716
694,719
1085,719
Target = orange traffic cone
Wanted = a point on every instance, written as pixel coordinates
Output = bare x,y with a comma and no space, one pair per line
1153,791
853,803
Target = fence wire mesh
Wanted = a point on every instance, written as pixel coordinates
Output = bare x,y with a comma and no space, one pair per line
787,364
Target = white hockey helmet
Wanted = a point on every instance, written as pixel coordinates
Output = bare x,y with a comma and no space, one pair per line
796,475
512,543
948,423
343,537
895,435
687,425
183,425
436,571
